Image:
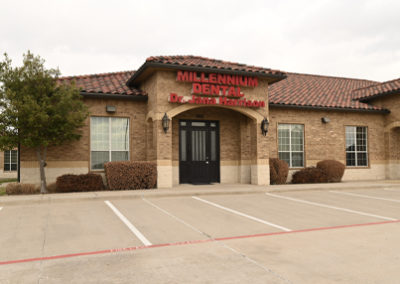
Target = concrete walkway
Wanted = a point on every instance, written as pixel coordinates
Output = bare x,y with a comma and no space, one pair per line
189,190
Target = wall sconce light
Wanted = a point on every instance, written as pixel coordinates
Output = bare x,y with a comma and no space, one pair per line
325,120
111,109
264,126
165,122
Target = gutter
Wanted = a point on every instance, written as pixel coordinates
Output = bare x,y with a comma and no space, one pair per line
114,96
383,111
365,99
201,69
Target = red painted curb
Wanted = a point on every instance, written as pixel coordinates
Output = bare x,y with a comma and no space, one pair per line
108,251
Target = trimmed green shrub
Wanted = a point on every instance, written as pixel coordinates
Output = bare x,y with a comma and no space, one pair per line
310,175
130,175
278,171
21,188
79,183
333,169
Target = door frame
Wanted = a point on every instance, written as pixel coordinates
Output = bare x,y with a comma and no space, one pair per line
188,139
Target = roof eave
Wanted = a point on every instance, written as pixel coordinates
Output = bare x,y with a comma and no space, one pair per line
383,111
132,80
368,98
114,96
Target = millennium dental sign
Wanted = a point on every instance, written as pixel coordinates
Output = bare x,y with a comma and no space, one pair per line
216,89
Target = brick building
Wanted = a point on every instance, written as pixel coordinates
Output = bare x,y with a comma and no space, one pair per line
8,164
204,120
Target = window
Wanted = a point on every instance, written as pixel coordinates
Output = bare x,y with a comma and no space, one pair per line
356,146
291,144
10,160
109,140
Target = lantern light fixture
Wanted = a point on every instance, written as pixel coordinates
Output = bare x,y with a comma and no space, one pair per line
165,122
264,126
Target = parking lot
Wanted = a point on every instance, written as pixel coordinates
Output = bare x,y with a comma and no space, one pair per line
314,236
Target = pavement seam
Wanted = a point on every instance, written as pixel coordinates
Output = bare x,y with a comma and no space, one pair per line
156,193
40,277
220,242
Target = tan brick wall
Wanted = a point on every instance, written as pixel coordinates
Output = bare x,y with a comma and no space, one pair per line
236,128
327,141
79,151
392,103
6,174
392,133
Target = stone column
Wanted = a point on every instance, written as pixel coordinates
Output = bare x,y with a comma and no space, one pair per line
260,156
163,153
245,151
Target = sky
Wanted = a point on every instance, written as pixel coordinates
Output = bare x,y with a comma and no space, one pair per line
355,39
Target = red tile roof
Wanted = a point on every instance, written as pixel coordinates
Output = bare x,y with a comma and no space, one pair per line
105,83
300,90
318,91
204,62
385,88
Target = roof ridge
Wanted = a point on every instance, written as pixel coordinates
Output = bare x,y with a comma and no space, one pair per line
333,77
95,75
203,58
379,83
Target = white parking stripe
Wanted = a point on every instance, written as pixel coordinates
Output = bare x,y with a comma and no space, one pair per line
365,196
131,227
242,214
331,207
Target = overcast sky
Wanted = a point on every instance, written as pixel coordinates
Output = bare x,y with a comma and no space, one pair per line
357,39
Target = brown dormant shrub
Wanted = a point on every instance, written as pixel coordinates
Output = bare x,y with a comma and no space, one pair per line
21,188
78,183
310,175
333,169
131,175
52,188
278,171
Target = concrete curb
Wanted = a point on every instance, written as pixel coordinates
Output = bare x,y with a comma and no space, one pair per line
188,190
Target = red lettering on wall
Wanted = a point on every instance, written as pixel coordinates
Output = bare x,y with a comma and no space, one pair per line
196,88
206,89
182,76
215,90
212,78
252,82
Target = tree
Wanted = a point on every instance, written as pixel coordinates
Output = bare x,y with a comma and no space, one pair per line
36,110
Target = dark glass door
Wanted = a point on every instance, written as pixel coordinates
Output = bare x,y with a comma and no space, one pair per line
198,151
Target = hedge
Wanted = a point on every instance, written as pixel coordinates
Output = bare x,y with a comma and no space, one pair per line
78,183
21,188
131,175
310,175
278,171
333,169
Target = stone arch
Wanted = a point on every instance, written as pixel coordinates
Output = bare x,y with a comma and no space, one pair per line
392,125
392,151
257,117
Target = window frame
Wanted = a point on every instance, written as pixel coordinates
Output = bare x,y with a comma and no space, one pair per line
355,146
109,140
290,144
10,162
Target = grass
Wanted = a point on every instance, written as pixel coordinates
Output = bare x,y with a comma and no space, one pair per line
2,191
4,180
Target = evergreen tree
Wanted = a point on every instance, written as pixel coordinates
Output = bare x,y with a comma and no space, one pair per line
36,111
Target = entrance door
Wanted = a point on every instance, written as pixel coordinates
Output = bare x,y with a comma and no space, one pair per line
198,151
